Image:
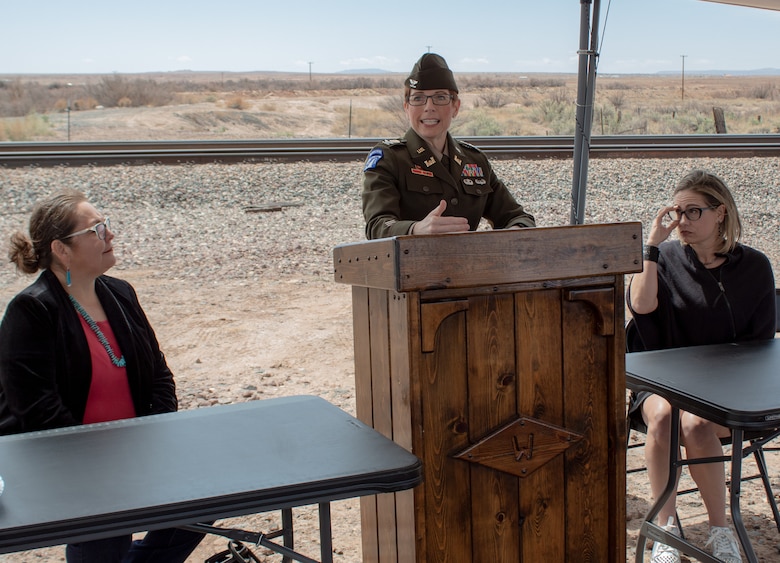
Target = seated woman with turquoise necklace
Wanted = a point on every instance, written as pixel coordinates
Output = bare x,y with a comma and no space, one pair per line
76,348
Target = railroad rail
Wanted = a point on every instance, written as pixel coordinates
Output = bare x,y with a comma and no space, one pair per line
180,152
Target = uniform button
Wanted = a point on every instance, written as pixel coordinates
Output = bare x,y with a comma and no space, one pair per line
454,201
479,192
426,189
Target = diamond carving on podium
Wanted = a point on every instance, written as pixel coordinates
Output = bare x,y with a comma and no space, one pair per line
520,447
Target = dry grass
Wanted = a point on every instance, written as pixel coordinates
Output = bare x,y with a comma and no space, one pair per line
23,128
370,106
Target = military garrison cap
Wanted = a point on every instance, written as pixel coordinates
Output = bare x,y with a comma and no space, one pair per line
431,73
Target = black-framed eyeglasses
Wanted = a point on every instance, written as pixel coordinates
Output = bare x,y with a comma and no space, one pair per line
422,99
99,229
692,213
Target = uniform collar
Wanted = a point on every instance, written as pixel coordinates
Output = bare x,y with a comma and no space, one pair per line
421,153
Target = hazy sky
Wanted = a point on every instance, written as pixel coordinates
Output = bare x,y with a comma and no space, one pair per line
639,36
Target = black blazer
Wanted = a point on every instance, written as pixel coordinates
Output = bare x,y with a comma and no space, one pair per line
45,365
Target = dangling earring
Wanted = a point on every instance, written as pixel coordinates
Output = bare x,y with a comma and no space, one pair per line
67,278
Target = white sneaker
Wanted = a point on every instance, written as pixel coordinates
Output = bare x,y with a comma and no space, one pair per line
663,553
724,545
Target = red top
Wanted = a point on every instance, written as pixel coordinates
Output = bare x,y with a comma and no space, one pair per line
109,393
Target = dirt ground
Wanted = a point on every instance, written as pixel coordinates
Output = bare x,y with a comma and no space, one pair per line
234,342
231,341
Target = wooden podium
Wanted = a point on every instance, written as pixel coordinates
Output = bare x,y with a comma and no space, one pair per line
497,357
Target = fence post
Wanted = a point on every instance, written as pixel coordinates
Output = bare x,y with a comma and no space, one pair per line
720,121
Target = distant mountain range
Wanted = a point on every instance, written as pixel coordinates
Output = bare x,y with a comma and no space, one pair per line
754,72
366,71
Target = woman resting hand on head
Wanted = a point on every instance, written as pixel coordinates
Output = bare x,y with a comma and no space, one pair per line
76,348
705,288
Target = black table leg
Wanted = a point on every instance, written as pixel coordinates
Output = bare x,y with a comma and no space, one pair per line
288,537
326,539
737,436
654,531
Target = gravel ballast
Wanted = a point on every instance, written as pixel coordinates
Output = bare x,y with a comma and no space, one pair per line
233,263
202,220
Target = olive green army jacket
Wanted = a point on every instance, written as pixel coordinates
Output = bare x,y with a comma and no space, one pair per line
403,181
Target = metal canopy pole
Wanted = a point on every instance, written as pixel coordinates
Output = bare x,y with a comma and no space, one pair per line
586,86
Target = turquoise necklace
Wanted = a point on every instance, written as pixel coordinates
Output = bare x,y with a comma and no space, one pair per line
118,362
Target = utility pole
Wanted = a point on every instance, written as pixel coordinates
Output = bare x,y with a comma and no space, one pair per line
68,108
429,47
683,75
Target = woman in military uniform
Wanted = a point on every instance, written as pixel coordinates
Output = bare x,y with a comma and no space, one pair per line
427,182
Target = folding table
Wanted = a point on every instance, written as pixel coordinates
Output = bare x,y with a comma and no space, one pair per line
734,385
100,480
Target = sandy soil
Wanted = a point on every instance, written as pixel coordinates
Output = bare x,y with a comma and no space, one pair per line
293,336
275,338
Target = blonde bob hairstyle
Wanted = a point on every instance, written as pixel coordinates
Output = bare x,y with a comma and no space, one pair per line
716,193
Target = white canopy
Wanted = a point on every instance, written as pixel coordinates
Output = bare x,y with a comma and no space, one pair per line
586,86
766,4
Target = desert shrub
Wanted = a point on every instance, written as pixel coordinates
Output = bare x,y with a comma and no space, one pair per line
217,120
495,81
477,123
557,116
14,100
615,86
111,90
760,130
608,120
302,82
388,82
617,99
186,98
392,103
546,83
18,99
24,128
515,127
560,95
204,120
394,107
633,127
764,92
366,123
237,102
492,99
687,123
85,103
729,94
250,119
604,117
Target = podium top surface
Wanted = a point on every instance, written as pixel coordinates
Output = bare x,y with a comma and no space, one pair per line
483,258
99,480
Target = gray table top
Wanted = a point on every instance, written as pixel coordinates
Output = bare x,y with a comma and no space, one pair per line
735,385
99,480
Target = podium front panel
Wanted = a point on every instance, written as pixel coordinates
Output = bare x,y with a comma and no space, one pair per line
513,395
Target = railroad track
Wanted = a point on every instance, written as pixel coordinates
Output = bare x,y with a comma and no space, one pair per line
178,152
